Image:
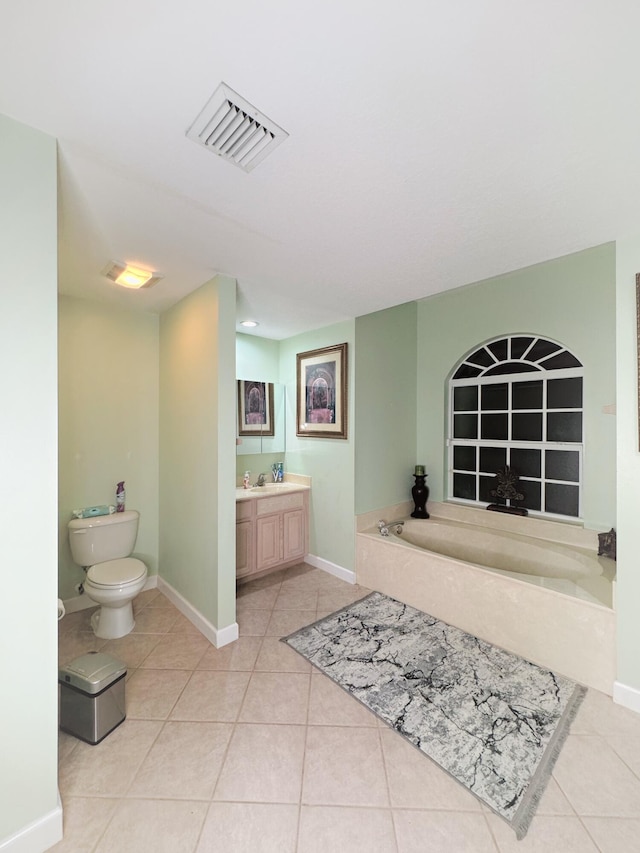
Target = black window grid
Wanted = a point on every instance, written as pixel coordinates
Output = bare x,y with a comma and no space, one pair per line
532,351
541,446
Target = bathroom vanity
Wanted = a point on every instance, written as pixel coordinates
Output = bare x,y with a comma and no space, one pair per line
272,527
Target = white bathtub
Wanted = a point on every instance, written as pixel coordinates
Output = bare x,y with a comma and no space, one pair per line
546,596
564,568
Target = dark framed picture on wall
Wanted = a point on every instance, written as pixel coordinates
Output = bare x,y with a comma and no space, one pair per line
322,392
255,408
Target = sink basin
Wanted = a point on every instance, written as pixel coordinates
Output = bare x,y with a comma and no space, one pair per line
268,489
269,486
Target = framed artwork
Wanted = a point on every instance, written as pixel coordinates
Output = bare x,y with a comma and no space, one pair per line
322,392
255,408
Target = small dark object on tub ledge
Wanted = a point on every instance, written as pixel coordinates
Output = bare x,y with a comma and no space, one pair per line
607,544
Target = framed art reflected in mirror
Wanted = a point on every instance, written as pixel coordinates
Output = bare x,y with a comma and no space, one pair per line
255,408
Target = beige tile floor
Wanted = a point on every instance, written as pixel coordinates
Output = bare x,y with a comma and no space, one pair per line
245,748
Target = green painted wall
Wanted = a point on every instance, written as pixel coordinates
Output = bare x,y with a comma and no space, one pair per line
385,407
197,432
257,358
328,461
257,463
108,399
28,546
571,300
628,529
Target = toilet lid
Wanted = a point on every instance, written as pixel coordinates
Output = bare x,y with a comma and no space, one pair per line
115,572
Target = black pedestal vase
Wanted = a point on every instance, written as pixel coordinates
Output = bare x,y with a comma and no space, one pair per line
420,492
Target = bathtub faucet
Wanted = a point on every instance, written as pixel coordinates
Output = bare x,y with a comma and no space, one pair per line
385,527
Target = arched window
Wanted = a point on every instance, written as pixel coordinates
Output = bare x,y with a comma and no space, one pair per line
517,401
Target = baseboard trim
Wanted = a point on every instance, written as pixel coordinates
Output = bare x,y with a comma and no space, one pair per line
218,636
78,602
40,834
333,569
627,696
83,602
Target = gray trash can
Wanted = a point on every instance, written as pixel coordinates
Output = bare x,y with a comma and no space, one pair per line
92,702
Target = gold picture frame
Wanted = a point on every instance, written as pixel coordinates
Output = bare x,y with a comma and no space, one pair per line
321,379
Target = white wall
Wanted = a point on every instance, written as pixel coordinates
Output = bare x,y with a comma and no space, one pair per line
628,474
30,817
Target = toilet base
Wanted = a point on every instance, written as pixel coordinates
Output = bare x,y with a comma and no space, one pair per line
110,623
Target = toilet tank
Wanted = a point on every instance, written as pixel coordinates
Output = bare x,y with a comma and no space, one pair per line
103,537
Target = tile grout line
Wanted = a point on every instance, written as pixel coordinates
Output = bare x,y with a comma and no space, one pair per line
492,836
304,762
589,836
386,779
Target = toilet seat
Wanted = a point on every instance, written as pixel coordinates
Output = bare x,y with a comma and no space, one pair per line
116,572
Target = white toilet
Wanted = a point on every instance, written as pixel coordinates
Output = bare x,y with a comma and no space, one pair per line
101,545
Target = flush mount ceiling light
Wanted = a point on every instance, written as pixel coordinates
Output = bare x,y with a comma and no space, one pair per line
249,324
235,130
129,276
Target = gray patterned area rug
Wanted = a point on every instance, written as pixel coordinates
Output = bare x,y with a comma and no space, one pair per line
491,719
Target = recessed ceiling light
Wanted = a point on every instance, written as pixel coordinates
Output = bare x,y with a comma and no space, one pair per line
129,276
249,324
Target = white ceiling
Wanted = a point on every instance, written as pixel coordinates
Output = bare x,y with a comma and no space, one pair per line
430,144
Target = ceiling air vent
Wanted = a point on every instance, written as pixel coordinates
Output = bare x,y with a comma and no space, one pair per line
230,127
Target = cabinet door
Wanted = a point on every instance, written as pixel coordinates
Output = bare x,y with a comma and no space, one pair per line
293,534
268,541
244,548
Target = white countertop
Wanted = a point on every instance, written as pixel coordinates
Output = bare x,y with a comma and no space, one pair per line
269,490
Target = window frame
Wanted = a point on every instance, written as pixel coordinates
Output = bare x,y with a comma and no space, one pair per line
539,373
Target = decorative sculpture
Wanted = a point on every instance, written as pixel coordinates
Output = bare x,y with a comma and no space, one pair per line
420,493
507,489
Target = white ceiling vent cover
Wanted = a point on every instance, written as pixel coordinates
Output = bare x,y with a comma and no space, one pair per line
232,128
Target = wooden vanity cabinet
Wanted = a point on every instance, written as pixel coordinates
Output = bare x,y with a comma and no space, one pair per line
245,539
294,531
271,532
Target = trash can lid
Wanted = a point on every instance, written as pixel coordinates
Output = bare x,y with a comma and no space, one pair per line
92,672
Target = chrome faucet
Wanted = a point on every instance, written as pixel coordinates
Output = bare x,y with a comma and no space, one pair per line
260,480
386,527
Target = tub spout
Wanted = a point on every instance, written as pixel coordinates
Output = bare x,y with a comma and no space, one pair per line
386,527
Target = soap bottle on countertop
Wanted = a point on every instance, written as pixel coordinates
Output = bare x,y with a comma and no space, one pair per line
246,481
120,497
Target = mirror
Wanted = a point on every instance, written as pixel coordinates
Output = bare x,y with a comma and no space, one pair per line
260,417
